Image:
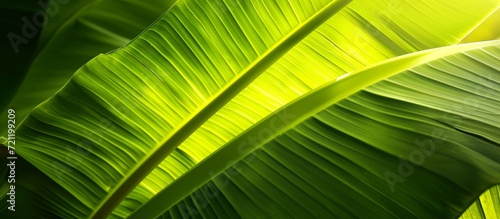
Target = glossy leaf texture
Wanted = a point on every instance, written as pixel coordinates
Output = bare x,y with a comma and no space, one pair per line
362,34
122,113
412,137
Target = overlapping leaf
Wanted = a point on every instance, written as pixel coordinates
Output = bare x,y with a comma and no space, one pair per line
363,33
414,137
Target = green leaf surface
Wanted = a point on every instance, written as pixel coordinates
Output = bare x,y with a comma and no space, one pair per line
413,137
122,113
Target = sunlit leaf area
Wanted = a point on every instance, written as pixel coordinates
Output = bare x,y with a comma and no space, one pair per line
250,109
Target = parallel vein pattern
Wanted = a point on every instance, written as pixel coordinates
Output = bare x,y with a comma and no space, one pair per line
429,118
363,33
107,127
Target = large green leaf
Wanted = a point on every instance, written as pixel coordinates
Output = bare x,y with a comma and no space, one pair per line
122,113
74,33
363,33
413,137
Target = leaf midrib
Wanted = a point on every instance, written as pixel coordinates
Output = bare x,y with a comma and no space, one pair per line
217,101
